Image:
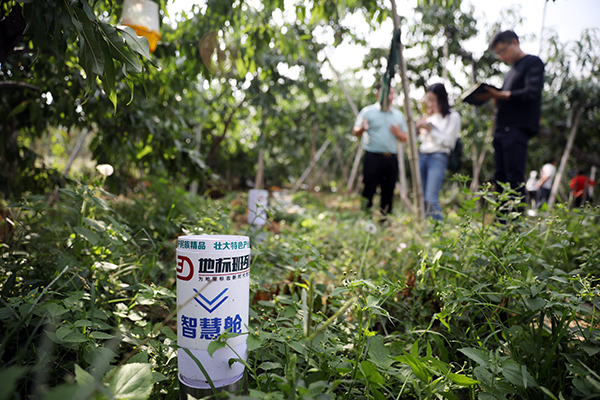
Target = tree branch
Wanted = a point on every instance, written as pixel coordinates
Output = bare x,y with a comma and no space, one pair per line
218,139
586,158
20,85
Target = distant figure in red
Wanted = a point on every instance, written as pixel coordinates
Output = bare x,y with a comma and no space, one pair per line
580,185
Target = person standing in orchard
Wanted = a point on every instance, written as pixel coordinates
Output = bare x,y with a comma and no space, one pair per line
438,133
518,108
544,184
384,128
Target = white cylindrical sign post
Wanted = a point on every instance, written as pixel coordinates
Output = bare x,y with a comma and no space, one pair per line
213,290
258,200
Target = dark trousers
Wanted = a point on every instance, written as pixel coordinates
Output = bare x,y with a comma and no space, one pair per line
542,196
510,155
380,170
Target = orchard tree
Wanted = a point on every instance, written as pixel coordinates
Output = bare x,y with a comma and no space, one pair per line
56,57
201,101
571,112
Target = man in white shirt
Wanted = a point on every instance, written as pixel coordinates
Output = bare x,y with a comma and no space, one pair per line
380,166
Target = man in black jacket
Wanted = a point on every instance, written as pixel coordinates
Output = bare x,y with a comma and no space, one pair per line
518,105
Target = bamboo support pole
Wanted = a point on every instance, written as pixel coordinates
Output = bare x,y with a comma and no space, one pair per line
412,135
565,157
312,164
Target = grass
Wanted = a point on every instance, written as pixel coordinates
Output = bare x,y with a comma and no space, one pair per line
341,306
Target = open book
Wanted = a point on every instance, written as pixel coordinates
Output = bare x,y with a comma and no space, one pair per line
477,95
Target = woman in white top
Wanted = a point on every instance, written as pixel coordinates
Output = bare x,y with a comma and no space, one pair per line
438,133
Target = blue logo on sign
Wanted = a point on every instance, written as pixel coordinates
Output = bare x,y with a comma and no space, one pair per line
210,302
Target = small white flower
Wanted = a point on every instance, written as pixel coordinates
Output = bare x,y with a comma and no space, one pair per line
370,228
401,247
105,169
105,266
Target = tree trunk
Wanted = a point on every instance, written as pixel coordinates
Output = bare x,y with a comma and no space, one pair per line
358,154
585,158
354,171
75,151
318,177
565,157
478,161
313,147
259,181
218,139
197,129
403,187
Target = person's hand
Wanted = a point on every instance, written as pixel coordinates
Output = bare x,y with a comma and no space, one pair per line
494,94
396,130
359,130
423,124
365,124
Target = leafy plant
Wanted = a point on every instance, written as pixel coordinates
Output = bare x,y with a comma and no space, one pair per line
478,308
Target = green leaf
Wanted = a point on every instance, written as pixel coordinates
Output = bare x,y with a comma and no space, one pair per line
94,57
88,235
131,381
68,391
108,77
462,380
74,337
101,335
144,152
590,349
298,346
439,342
9,377
517,374
253,342
377,395
479,356
63,332
484,376
378,353
158,377
548,393
371,374
449,396
267,366
55,310
139,44
536,289
118,48
88,11
83,377
535,303
418,368
22,106
168,331
240,66
100,358
5,313
216,345
82,322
